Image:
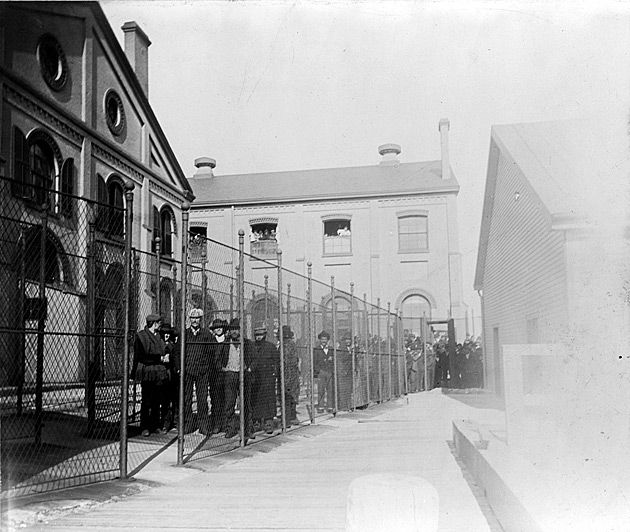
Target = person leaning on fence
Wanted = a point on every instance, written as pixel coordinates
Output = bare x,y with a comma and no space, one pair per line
265,371
149,354
197,368
291,375
231,365
219,351
170,407
323,364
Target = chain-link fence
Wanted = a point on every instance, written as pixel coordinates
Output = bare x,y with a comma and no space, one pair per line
62,336
247,349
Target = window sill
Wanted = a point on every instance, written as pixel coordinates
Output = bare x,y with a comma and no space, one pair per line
412,251
328,255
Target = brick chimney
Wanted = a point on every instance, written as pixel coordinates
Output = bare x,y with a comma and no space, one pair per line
137,51
446,163
204,167
390,153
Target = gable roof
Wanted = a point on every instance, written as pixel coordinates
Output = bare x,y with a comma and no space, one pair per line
574,166
322,184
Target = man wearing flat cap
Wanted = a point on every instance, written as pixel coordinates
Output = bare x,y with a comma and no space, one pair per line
196,372
265,371
323,362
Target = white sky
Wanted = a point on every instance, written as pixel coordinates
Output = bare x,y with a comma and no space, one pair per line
267,85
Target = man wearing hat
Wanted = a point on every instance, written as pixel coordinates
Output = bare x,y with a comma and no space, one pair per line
265,371
344,368
323,362
231,376
219,355
149,369
197,368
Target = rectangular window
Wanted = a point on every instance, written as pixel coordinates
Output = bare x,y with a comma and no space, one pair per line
412,233
198,244
263,239
337,237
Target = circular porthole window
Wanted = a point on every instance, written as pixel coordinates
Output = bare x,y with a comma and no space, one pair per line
114,112
52,62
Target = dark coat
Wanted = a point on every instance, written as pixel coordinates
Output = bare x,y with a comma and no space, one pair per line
220,352
265,370
323,361
148,350
198,352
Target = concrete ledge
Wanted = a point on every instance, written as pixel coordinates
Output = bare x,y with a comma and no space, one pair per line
507,507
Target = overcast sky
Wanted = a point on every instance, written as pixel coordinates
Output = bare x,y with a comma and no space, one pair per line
263,86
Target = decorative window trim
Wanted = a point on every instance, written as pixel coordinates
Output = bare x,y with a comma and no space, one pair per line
263,220
55,80
115,126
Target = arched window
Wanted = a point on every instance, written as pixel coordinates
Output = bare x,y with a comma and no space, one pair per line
415,308
66,201
166,232
116,207
156,228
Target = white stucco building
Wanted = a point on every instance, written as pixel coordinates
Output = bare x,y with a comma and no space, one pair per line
390,228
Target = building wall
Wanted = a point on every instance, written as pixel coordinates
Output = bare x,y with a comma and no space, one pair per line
525,276
74,117
375,265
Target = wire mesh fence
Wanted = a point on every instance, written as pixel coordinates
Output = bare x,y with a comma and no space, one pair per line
62,332
108,356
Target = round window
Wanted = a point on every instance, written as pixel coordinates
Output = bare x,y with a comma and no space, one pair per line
114,112
52,62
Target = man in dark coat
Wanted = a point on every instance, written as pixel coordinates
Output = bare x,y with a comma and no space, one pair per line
265,371
323,362
231,364
148,367
219,351
344,369
170,408
196,371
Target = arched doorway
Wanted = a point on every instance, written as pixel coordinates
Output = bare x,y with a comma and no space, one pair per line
416,310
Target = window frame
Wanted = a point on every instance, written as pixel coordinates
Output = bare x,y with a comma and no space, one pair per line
347,219
419,214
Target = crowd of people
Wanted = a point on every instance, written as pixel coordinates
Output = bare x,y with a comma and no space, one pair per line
429,364
212,375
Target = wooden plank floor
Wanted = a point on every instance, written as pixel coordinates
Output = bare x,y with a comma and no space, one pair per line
301,484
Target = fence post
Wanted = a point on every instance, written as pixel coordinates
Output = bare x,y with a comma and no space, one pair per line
204,284
124,407
90,382
41,324
241,319
22,341
367,348
288,303
334,340
267,302
232,298
281,339
158,250
378,350
402,350
182,332
389,349
353,405
310,338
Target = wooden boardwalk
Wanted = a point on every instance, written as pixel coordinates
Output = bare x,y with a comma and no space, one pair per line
299,482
